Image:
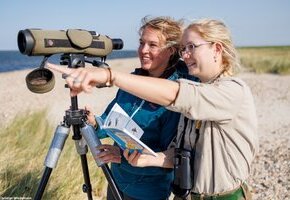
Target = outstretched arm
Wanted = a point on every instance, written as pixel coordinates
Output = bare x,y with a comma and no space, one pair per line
160,91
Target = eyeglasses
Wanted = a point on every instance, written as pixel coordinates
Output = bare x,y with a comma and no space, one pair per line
190,48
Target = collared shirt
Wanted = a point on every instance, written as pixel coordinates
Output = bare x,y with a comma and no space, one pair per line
228,137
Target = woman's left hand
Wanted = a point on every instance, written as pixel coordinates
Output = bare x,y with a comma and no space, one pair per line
163,159
137,159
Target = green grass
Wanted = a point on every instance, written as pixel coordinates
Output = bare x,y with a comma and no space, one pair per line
24,145
274,60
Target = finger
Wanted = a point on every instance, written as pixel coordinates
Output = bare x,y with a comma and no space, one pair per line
74,92
104,146
126,154
59,68
103,154
67,72
108,157
89,110
102,158
136,158
78,76
90,115
132,156
114,160
77,81
111,158
112,148
70,81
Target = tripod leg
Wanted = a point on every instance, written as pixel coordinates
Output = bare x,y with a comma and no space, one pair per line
43,183
87,187
93,142
82,149
56,146
111,182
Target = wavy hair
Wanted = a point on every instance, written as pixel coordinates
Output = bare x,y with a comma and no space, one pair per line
170,30
217,32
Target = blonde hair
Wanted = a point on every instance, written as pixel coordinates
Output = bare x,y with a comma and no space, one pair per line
170,30
217,32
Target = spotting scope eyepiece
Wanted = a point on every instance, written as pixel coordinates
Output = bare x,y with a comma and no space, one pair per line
37,42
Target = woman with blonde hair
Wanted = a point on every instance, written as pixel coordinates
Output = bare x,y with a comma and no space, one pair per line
218,123
158,54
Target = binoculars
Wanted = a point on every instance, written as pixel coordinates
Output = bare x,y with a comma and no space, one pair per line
183,176
77,42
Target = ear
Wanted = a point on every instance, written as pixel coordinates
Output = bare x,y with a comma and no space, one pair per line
171,50
218,48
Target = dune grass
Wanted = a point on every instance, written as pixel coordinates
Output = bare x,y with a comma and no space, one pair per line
274,60
24,145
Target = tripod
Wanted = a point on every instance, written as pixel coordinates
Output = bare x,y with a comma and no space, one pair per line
84,136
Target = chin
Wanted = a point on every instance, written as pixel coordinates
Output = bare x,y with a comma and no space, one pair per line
146,66
193,72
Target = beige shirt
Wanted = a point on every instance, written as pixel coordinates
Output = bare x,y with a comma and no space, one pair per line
228,135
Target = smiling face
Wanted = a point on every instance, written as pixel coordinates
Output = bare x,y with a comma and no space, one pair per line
202,60
153,55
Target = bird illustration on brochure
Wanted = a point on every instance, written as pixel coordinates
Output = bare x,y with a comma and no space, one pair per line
124,130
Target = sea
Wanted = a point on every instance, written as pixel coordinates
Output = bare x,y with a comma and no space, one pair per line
14,60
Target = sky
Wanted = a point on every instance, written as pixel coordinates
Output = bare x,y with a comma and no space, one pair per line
252,22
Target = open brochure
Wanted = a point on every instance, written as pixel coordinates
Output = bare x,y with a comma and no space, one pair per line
124,131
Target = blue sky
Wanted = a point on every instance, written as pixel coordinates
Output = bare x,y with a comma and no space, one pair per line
252,22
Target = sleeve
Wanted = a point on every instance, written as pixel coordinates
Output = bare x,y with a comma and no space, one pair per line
218,101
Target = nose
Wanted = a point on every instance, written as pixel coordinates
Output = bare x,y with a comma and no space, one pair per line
186,55
144,48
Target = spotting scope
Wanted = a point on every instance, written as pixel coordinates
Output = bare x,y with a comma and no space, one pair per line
37,42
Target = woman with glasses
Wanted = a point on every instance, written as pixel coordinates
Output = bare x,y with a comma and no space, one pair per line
223,138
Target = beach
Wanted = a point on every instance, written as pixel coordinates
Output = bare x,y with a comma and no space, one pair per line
270,174
17,99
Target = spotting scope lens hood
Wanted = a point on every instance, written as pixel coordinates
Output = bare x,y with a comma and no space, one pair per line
40,80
